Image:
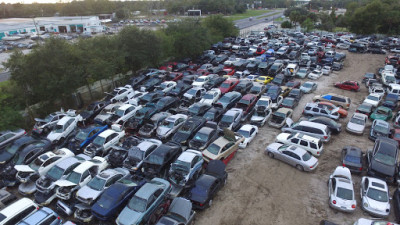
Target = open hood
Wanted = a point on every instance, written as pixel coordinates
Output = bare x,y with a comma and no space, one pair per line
23,168
64,183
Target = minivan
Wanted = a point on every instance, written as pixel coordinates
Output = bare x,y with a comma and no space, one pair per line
17,211
44,216
310,128
394,89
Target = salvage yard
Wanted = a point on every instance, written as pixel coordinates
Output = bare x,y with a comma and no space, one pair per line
261,190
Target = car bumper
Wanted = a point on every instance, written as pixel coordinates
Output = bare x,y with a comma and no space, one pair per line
375,212
308,169
358,132
342,209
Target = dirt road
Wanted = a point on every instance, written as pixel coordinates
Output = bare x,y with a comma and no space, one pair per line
261,190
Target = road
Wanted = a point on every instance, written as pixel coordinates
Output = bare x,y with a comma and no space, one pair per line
4,76
266,17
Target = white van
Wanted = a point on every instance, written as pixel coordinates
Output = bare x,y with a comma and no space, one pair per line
388,78
311,144
317,130
17,211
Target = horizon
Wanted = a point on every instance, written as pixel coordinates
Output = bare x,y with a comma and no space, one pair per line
53,1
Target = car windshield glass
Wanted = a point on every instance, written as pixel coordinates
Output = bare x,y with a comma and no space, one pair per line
167,124
119,112
224,99
244,101
12,149
200,137
245,133
306,156
59,129
287,101
390,79
135,152
99,141
377,195
283,147
353,159
344,193
55,173
192,92
307,85
96,184
74,177
194,109
225,85
181,166
271,91
155,159
200,79
385,159
381,129
82,135
302,70
357,121
213,148
262,103
137,204
373,98
397,135
227,119
208,96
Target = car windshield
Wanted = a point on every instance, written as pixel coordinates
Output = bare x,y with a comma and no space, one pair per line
225,85
194,109
200,137
307,85
192,92
120,112
200,79
302,70
357,121
167,124
245,133
287,101
352,158
344,193
55,173
244,101
96,184
381,129
385,159
373,98
59,129
377,195
213,148
306,157
262,103
227,119
137,204
48,118
74,177
208,96
390,79
155,159
364,107
81,135
181,166
224,99
99,141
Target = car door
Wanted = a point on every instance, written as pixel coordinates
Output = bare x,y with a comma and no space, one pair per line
332,187
287,157
110,140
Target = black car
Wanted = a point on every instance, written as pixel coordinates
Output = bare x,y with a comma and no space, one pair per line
204,136
352,158
376,51
150,97
141,116
333,126
138,80
158,162
214,114
383,159
179,89
198,109
293,55
8,152
368,76
396,204
276,68
252,66
228,100
263,68
289,103
296,94
220,59
23,157
167,103
188,79
279,80
188,130
214,83
273,92
208,184
365,108
151,84
243,87
92,110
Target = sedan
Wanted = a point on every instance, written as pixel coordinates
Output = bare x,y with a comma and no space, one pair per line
333,126
341,190
373,99
375,197
293,156
326,70
365,109
308,87
357,123
382,113
9,136
348,85
352,158
315,74
379,128
302,73
249,132
289,102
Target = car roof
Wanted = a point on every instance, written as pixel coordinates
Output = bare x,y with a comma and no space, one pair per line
306,137
206,180
246,127
106,133
147,190
64,120
86,165
187,156
38,216
248,97
125,106
206,130
65,163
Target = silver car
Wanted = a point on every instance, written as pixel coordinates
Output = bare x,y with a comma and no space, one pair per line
341,190
293,156
308,87
357,123
170,125
375,196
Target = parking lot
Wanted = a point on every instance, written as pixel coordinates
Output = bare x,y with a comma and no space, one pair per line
261,190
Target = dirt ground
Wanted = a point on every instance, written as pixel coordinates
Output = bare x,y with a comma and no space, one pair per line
261,190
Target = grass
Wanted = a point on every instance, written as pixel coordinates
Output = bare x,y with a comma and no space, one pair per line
247,14
279,19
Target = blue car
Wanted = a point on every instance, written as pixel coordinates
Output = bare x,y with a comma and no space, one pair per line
115,197
84,137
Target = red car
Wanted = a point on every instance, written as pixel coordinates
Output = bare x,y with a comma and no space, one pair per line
392,60
229,70
247,103
348,85
396,135
228,85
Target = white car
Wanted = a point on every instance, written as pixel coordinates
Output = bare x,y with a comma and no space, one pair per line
363,221
170,125
326,70
121,93
315,74
357,123
103,142
375,196
195,92
342,46
341,190
166,86
211,96
260,117
377,89
249,132
123,113
106,113
395,50
64,128
201,81
134,100
373,99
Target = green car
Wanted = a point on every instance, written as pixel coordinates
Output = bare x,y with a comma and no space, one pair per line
382,113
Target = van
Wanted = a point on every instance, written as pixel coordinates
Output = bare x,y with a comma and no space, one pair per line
313,109
311,144
394,89
17,211
338,100
317,130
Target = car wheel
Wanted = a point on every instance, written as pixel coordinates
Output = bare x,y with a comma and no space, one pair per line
299,167
271,155
61,141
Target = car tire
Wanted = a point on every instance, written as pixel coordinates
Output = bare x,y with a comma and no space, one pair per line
299,167
271,155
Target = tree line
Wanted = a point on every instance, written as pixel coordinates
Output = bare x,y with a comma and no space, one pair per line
50,73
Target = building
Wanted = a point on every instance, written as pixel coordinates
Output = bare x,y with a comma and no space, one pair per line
76,24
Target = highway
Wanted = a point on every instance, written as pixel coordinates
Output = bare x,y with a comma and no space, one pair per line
266,17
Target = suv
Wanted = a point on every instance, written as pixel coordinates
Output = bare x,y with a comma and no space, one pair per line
382,159
311,144
313,109
44,216
338,100
310,128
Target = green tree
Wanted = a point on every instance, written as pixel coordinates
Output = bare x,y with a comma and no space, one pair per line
286,24
308,25
219,27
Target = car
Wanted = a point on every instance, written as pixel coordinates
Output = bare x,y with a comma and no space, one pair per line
106,113
365,109
391,101
338,100
214,82
185,170
247,103
341,190
315,74
167,103
383,159
188,130
396,202
249,132
141,117
63,129
228,85
42,216
223,148
292,155
295,93
194,93
114,197
373,99
9,136
214,114
135,99
231,119
83,137
279,80
137,154
308,87
179,89
89,193
150,84
80,176
144,202
293,84
6,198
262,112
303,72
180,212
44,126
170,125
120,94
278,118
336,66
211,96
208,185
326,70
382,113
289,103
207,134
228,100
342,46
257,89
274,92
353,158
158,162
264,79
244,86
348,85
342,112
379,128
201,81
363,221
375,196
395,134
357,123
313,109
333,126
103,142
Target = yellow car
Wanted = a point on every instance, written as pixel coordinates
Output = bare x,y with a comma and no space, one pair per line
264,79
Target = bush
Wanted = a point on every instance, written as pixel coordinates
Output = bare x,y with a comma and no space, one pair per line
286,24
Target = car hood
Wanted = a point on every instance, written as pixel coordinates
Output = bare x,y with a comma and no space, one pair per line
382,168
305,89
128,216
180,137
198,83
102,117
370,102
86,193
376,205
257,118
23,168
53,136
378,116
274,146
354,126
163,130
86,114
206,101
64,183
